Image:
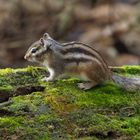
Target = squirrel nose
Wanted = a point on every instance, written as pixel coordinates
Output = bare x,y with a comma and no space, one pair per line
26,57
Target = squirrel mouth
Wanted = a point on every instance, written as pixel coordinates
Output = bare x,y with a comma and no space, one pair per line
26,57
29,58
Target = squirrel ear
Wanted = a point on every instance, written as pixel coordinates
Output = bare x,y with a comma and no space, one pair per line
46,36
42,41
45,43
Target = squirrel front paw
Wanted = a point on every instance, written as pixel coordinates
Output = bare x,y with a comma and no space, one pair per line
47,79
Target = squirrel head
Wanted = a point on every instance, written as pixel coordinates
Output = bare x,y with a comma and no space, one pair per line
38,49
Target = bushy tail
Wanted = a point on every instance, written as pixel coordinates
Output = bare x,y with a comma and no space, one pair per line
130,84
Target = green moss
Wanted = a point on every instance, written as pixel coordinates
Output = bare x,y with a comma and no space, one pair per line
63,111
6,88
25,127
6,71
132,70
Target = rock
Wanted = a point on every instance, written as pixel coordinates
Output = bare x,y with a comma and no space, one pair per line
105,14
127,59
132,41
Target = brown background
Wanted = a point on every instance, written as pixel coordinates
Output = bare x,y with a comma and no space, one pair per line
110,26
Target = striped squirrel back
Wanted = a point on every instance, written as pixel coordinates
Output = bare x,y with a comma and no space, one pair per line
76,51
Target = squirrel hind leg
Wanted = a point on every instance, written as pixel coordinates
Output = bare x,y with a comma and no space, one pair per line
87,85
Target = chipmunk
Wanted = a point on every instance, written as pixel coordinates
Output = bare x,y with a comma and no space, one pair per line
76,59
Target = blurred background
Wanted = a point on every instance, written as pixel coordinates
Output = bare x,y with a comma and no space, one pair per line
110,26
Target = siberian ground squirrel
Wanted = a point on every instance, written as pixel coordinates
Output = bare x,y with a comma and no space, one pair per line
75,59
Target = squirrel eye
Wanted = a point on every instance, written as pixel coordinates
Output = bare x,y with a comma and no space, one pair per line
34,50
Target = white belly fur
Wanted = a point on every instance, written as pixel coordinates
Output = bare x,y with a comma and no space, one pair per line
83,77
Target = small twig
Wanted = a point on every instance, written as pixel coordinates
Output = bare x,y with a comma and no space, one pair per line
5,103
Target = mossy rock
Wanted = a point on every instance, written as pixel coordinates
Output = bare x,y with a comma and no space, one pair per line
62,111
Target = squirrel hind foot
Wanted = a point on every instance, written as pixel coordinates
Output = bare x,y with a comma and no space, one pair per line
86,86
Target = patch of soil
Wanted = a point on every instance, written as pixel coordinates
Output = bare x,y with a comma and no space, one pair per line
21,90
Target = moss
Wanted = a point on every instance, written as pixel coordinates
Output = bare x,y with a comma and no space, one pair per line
63,111
6,88
128,70
6,71
25,128
132,70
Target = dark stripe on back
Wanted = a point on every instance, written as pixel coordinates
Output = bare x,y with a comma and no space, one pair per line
78,50
98,56
77,60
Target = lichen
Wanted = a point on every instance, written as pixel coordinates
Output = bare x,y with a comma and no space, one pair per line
62,111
